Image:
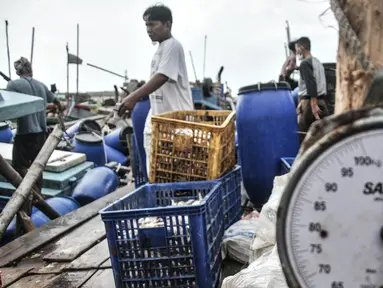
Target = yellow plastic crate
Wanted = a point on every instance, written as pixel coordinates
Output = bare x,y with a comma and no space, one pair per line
192,145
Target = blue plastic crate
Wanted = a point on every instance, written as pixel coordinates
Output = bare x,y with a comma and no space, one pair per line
138,172
286,164
184,252
231,196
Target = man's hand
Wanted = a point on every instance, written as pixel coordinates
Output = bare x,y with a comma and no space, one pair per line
127,104
58,105
315,108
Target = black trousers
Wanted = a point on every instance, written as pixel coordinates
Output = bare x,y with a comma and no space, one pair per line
26,147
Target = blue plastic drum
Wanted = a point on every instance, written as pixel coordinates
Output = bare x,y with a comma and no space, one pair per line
295,96
6,135
113,155
92,146
83,126
267,131
96,183
117,140
139,114
62,204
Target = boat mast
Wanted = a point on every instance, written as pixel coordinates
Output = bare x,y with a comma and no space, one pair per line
192,61
286,51
288,34
9,56
33,44
204,58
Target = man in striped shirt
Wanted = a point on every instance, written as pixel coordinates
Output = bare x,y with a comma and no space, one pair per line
312,87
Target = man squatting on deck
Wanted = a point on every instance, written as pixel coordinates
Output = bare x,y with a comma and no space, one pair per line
312,87
168,87
31,129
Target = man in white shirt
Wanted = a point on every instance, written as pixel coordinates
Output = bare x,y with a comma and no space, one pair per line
168,86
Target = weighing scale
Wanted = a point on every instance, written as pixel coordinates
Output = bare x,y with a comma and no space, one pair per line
330,219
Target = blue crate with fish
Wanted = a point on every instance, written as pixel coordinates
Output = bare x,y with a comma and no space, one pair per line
286,163
231,195
166,235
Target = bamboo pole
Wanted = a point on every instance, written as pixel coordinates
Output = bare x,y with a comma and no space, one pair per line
15,179
25,187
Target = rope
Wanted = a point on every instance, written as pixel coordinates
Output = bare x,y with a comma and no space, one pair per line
348,35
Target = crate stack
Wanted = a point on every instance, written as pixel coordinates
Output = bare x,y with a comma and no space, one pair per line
169,233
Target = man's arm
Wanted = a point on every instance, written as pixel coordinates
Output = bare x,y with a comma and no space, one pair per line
50,96
168,70
307,74
149,87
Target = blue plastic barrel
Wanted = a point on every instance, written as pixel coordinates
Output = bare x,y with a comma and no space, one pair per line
117,139
82,126
267,131
95,184
139,114
113,155
62,204
197,93
294,94
91,145
6,135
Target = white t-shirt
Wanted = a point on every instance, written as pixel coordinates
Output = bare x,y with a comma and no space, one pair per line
175,94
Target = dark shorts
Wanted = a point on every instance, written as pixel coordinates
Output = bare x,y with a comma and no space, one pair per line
306,116
25,149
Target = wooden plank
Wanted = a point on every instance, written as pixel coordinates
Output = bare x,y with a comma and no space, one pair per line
50,268
11,275
71,279
52,230
35,261
102,278
78,241
93,258
34,281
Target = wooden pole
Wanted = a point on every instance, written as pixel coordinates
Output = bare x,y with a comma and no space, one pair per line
78,64
8,52
33,44
25,187
353,77
15,179
67,72
204,57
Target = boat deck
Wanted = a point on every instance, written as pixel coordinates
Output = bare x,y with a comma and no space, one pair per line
71,251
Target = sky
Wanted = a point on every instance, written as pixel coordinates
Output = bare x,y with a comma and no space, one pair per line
245,36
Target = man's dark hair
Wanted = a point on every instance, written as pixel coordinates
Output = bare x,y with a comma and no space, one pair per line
158,12
305,43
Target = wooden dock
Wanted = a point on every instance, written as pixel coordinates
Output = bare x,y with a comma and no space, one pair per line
69,252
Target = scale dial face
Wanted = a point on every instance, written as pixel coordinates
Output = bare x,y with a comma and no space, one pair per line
330,220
